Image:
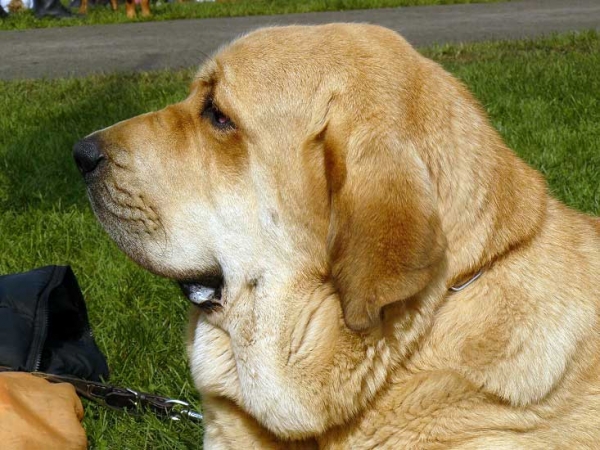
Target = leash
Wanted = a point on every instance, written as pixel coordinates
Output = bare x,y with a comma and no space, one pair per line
123,399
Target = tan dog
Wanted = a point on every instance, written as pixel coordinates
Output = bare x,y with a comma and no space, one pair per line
318,194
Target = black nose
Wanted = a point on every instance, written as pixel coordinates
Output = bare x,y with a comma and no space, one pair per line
87,154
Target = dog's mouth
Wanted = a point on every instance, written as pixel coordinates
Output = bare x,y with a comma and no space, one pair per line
204,292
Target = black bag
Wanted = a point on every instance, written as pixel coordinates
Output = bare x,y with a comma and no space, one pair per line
44,325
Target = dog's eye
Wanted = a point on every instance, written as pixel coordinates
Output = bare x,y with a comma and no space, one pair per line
216,117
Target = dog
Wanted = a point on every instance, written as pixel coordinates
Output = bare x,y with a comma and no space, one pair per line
371,266
129,7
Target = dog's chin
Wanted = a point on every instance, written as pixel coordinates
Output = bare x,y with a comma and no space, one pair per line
203,287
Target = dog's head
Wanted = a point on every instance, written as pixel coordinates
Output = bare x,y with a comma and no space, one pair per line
316,182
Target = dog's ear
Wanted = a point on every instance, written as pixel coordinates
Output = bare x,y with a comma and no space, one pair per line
385,239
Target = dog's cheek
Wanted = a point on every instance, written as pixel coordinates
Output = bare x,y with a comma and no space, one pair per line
212,360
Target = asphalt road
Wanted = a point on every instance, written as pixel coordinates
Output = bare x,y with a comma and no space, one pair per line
78,51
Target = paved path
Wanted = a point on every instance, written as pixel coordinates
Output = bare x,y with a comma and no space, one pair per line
77,51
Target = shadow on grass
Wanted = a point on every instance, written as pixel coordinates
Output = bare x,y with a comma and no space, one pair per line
36,166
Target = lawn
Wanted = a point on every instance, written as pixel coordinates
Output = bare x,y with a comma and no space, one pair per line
194,10
542,95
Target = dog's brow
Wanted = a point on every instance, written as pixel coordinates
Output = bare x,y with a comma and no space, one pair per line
206,79
208,72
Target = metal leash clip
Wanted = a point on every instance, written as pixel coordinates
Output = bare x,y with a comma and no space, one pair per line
125,399
181,410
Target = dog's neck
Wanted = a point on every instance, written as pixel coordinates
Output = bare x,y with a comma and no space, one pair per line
491,188
483,189
294,339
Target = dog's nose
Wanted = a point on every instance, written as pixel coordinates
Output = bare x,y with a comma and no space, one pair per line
87,154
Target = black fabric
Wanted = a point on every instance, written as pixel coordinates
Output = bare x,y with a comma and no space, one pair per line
44,325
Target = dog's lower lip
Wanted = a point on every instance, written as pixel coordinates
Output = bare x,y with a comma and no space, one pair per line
205,294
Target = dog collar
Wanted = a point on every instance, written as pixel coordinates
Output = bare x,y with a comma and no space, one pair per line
460,287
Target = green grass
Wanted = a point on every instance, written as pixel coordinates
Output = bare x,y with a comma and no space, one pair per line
541,94
193,10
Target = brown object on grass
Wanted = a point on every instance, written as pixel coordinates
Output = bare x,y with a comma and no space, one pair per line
16,6
129,7
36,414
